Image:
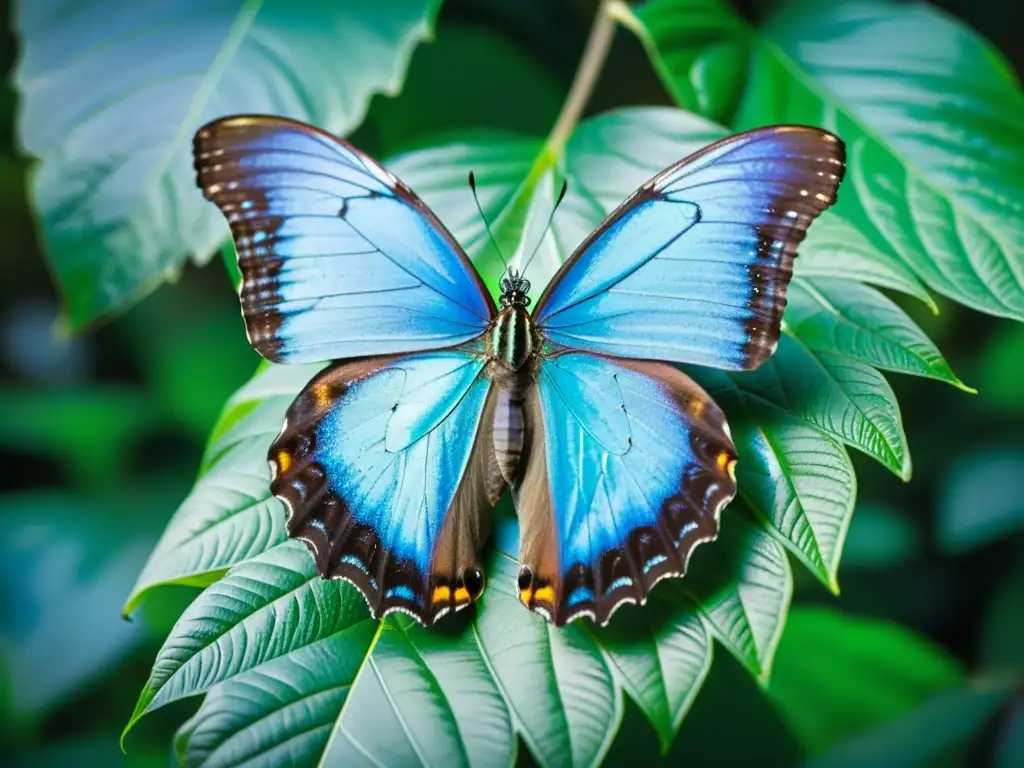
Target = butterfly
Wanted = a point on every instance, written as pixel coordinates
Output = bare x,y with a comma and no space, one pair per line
392,457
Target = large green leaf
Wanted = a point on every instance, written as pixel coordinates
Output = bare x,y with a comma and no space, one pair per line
795,478
662,653
696,49
834,246
837,676
110,100
848,400
932,126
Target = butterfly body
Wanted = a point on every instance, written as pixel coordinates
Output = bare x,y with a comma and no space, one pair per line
619,464
515,344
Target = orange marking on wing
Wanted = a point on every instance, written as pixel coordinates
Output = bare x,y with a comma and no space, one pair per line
441,594
722,460
322,393
284,460
545,595
461,596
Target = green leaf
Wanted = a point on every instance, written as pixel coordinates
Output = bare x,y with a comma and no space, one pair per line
115,193
932,731
662,653
455,692
281,711
796,480
936,170
845,318
424,697
696,49
568,707
847,400
277,599
835,248
228,518
981,500
838,675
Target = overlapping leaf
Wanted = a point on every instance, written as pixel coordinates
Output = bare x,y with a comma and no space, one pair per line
481,679
110,100
932,125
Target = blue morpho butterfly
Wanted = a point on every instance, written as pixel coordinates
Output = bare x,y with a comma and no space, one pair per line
391,458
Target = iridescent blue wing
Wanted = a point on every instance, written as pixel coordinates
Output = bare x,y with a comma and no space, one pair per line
339,258
386,467
629,466
693,267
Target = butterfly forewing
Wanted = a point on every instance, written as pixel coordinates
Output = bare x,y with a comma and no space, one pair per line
693,267
338,258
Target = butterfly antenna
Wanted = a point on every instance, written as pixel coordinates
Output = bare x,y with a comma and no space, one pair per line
472,186
551,218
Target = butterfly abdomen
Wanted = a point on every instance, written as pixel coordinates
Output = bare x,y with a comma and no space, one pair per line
509,431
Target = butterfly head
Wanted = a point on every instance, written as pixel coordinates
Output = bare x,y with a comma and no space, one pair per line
514,288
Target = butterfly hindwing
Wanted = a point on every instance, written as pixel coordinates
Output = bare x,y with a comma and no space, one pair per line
339,259
693,268
386,468
615,495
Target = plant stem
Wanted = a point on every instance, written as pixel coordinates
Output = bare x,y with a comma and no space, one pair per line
594,55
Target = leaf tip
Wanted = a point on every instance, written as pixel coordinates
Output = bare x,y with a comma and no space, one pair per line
124,735
963,387
833,584
133,601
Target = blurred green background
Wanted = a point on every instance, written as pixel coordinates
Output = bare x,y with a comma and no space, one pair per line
102,434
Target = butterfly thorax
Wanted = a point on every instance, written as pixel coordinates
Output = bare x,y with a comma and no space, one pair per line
512,335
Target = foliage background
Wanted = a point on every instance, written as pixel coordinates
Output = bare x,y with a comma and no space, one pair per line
103,433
